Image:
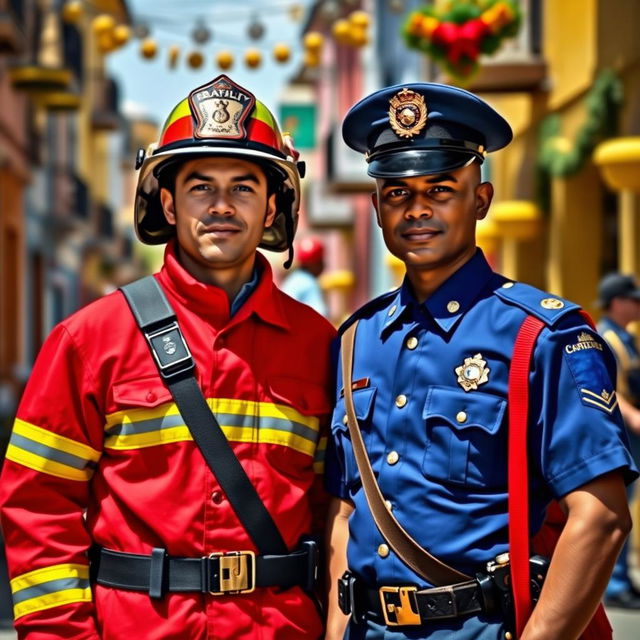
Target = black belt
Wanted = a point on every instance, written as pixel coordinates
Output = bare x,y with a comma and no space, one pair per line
228,573
406,605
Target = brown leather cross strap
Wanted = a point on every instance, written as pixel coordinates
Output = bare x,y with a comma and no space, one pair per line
406,548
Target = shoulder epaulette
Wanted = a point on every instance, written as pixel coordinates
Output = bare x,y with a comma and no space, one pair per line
368,309
545,306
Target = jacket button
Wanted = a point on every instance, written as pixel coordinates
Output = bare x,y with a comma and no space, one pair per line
383,550
412,343
393,457
345,419
461,417
151,397
401,401
216,497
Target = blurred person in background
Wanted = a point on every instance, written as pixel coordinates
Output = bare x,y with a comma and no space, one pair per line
619,297
431,386
115,527
302,283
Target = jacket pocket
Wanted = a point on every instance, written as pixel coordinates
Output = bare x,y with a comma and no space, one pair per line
363,402
143,415
142,392
465,444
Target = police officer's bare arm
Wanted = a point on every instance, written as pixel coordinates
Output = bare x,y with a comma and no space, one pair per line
337,538
598,523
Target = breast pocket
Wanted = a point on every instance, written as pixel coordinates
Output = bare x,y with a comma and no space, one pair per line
144,415
363,402
465,442
289,424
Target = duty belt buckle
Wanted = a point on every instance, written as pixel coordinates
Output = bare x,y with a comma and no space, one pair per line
237,572
399,606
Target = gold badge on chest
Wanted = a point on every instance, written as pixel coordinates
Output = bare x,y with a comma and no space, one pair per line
472,372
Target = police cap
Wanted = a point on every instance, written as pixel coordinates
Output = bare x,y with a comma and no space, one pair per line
423,128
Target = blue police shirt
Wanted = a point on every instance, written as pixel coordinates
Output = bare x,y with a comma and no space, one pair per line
439,451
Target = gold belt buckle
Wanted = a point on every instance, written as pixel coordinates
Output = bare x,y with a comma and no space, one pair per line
237,572
402,612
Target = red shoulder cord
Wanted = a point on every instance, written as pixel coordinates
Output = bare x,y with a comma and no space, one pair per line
518,479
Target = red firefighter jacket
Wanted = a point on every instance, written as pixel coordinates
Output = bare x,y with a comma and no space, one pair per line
100,455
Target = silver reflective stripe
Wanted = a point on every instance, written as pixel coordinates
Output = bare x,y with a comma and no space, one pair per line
46,588
225,420
49,453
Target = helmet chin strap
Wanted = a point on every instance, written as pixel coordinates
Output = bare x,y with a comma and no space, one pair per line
287,199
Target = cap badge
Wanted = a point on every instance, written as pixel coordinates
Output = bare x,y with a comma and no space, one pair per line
473,372
407,113
220,108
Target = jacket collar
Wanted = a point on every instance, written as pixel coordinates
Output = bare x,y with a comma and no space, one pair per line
211,302
450,301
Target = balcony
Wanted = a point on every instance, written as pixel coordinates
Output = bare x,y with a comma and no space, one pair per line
105,115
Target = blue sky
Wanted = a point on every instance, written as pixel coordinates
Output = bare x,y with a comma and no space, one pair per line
150,87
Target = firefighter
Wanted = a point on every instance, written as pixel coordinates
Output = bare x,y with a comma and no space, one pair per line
114,525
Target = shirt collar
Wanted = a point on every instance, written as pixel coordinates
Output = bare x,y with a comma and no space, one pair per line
450,301
211,302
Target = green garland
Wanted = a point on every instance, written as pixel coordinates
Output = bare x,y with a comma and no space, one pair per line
556,159
456,35
603,103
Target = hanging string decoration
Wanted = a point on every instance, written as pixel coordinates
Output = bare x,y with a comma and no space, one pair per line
458,34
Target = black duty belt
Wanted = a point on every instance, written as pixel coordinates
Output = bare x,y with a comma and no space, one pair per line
406,605
234,572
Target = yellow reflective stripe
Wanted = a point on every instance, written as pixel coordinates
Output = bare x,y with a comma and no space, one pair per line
137,415
233,434
149,439
318,461
55,441
44,465
270,436
54,572
51,600
248,408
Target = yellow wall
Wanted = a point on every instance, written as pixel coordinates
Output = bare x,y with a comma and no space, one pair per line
570,38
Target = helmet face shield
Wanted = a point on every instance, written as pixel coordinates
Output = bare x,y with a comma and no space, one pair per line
221,119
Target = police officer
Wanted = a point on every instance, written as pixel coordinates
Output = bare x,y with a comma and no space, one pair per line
619,297
100,456
430,387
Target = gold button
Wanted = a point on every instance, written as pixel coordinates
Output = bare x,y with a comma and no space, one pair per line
345,419
387,503
508,636
461,417
393,457
552,303
507,285
393,310
412,343
401,401
453,306
383,550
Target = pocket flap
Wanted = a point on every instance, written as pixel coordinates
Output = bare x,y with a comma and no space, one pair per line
142,392
362,403
463,410
308,398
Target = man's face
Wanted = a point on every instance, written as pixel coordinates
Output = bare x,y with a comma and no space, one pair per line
220,208
429,221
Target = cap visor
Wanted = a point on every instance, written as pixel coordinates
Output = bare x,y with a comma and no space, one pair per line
418,162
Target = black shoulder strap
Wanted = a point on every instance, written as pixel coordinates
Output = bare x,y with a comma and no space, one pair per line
158,323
